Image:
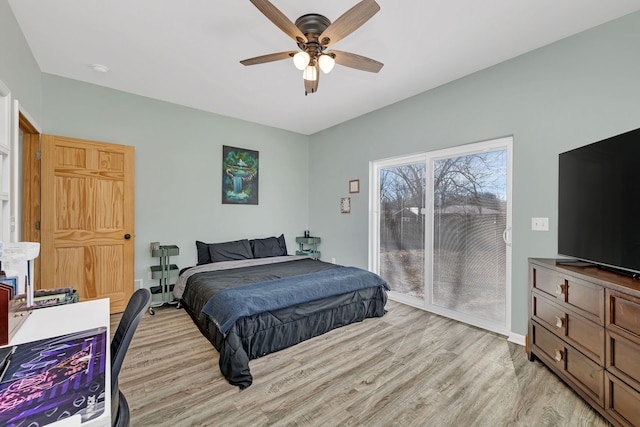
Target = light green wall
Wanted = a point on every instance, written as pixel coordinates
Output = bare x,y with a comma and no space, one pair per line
18,68
556,98
178,154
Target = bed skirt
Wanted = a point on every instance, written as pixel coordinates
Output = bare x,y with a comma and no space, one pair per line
261,334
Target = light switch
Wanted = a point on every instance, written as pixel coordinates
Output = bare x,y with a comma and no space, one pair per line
540,224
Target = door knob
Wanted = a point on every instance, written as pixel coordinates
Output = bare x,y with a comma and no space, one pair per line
127,236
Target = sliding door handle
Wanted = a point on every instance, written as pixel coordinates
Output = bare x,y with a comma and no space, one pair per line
506,236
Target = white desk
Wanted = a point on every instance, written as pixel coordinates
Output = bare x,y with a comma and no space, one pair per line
50,322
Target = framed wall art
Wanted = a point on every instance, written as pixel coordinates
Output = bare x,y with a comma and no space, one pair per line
239,176
354,186
345,205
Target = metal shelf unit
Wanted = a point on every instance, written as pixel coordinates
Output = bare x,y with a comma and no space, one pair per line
312,250
162,294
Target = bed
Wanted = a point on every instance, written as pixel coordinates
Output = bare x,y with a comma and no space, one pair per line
249,299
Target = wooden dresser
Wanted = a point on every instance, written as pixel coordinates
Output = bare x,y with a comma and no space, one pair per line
584,324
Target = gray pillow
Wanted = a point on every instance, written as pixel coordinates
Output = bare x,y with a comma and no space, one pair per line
230,251
203,252
269,247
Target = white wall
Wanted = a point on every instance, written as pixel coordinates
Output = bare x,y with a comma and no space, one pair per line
562,96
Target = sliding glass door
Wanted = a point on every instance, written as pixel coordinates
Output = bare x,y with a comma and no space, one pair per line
440,228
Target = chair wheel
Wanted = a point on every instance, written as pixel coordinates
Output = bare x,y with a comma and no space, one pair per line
151,311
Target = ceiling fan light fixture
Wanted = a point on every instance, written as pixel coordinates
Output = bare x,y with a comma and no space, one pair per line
326,63
310,73
313,33
301,60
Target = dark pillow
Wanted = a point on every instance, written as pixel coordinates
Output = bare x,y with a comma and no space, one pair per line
269,247
230,251
283,244
203,252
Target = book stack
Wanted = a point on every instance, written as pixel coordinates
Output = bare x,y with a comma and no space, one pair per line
50,297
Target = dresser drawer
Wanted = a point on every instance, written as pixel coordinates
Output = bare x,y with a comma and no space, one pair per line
585,335
622,402
623,358
549,282
623,312
584,297
583,372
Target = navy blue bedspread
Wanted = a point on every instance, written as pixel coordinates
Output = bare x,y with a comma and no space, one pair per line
227,306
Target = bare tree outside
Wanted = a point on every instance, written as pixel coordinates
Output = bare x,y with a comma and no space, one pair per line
402,191
469,217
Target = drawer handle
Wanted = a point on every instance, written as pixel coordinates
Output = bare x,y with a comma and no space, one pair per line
560,288
559,322
559,355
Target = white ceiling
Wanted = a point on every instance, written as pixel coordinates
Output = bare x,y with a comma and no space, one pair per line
188,51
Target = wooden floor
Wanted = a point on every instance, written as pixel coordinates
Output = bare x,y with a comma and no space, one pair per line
409,368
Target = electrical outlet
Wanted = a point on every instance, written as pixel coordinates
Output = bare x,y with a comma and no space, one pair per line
540,224
333,260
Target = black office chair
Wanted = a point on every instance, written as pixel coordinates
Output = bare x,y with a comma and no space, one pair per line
136,307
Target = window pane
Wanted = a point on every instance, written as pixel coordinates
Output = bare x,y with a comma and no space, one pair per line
402,228
470,216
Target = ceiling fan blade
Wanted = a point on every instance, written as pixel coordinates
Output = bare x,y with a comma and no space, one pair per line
279,19
350,21
358,62
311,86
268,58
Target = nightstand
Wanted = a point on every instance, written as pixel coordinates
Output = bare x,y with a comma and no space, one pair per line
311,250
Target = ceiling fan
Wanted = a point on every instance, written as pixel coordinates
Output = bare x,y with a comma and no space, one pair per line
313,33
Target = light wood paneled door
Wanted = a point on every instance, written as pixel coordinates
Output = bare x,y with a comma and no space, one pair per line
31,189
87,218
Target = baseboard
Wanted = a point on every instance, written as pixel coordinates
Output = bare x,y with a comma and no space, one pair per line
517,339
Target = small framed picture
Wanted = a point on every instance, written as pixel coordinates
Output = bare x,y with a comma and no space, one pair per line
354,186
345,205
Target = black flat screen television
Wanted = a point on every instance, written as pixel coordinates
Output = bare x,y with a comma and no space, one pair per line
599,203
